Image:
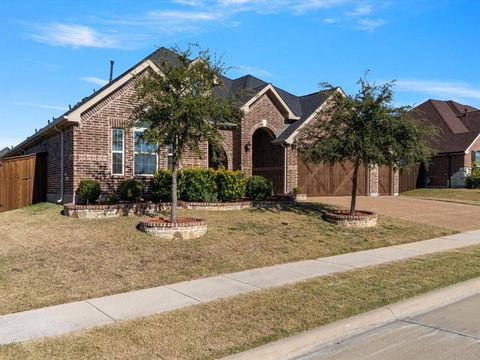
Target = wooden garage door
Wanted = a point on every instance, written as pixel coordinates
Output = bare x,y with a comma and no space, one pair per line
385,180
329,180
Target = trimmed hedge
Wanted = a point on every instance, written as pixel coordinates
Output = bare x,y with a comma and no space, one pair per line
89,190
197,185
230,185
161,186
208,185
130,189
472,180
259,188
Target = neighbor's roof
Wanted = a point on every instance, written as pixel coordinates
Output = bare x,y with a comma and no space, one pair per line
458,124
243,88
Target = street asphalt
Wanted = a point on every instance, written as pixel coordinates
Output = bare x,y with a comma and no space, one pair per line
450,332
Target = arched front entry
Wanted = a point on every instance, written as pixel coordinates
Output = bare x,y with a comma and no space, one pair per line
218,159
268,160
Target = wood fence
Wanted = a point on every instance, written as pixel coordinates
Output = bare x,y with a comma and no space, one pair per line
410,177
23,181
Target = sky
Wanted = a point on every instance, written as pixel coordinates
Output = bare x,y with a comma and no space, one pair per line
57,52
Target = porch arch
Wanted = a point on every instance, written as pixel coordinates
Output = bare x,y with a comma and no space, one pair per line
268,159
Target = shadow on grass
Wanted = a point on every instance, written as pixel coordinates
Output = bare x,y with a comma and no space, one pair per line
311,209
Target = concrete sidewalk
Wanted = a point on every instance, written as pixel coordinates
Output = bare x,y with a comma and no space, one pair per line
61,319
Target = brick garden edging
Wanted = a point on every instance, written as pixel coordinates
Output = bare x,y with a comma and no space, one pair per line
361,219
183,229
95,211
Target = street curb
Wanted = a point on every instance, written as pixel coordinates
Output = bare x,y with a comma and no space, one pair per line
308,341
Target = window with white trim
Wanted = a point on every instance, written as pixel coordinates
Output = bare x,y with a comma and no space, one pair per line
144,155
477,158
169,156
117,151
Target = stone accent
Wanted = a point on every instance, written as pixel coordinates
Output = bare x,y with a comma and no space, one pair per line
396,182
362,219
373,180
109,211
192,229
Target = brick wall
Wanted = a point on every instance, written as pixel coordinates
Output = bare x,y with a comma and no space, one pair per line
373,180
52,146
93,142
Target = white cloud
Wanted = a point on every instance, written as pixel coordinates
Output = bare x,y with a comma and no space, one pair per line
94,80
360,10
43,106
245,69
443,89
370,25
189,2
72,35
330,21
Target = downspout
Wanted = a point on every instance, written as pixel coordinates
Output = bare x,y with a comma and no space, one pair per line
285,170
59,201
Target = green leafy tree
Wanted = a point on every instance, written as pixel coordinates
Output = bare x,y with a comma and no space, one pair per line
366,128
178,108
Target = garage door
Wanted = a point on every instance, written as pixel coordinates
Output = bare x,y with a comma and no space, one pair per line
385,180
330,180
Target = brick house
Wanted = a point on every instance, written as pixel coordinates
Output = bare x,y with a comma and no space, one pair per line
457,145
89,141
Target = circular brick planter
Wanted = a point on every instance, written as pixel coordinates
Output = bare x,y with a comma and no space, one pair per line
361,219
183,229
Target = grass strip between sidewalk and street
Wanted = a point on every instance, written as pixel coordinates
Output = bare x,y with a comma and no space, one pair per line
223,327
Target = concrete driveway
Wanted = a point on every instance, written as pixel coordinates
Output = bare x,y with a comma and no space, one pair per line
451,332
448,215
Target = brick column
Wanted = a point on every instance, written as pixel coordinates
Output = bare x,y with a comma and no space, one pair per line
292,168
396,182
373,180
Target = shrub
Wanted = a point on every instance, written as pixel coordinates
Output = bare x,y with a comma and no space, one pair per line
472,180
89,190
259,188
197,185
130,189
298,190
230,185
161,186
112,198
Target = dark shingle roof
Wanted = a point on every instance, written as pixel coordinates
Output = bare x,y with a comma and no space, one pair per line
4,152
244,88
458,125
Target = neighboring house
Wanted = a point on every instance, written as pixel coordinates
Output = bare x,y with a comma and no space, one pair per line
457,144
89,141
4,152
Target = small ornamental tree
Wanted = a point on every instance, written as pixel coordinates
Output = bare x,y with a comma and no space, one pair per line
179,110
366,128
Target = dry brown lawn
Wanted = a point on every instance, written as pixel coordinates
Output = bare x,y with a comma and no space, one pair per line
46,258
219,328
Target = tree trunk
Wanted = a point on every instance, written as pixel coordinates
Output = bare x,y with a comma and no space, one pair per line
354,187
173,214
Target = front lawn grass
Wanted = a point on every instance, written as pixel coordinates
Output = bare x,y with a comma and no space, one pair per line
467,196
223,327
47,258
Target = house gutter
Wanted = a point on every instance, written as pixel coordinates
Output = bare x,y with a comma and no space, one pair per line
59,201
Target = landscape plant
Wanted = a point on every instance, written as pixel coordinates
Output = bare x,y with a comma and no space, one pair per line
259,188
178,109
89,190
366,128
230,185
130,189
472,180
